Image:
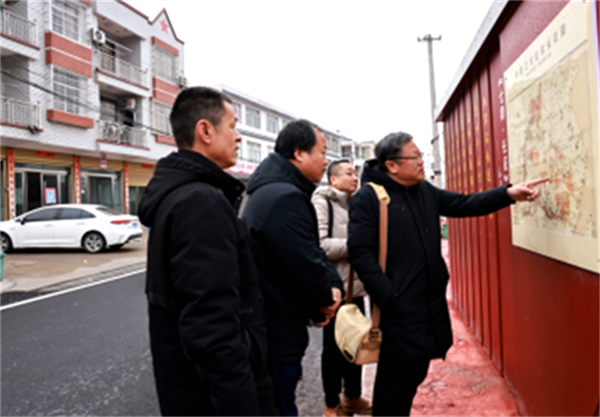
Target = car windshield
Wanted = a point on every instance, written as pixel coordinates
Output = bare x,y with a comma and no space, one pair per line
108,210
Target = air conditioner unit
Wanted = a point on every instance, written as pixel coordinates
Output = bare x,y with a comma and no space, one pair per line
182,82
7,3
98,37
129,103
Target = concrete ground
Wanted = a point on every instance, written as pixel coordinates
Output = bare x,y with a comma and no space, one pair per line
28,270
465,384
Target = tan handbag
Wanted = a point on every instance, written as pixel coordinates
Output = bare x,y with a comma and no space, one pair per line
359,340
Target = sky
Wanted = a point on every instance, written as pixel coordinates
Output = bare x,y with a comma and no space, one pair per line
350,66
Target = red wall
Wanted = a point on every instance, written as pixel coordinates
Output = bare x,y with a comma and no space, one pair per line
537,318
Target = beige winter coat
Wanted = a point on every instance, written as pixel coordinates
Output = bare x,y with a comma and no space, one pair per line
335,246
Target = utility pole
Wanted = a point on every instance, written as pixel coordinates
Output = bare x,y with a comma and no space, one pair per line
435,142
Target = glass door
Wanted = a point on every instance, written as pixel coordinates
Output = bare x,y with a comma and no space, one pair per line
40,187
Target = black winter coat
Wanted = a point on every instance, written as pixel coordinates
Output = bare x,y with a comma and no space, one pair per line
207,332
415,321
294,273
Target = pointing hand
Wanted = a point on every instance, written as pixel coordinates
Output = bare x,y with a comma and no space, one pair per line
526,191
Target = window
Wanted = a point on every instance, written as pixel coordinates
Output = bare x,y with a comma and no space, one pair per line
160,118
272,123
74,213
67,19
237,108
108,110
333,144
42,215
270,149
253,152
69,91
252,117
164,65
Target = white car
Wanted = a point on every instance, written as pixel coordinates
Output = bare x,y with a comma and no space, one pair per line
91,226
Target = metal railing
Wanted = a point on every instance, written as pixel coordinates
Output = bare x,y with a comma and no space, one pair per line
19,112
123,69
18,27
121,134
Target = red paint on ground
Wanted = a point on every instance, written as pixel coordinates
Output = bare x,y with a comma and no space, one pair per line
466,383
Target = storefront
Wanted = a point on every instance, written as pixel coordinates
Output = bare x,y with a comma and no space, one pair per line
139,177
101,182
39,178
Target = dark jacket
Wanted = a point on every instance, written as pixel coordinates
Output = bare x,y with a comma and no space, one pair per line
294,273
207,332
412,293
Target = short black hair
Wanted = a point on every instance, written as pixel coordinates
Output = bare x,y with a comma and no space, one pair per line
192,105
390,147
299,134
332,168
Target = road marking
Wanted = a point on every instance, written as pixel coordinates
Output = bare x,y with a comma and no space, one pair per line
82,287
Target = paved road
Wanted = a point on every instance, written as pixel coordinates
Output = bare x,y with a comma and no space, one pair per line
86,353
81,353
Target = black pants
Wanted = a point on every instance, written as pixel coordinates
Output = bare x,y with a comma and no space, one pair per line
396,383
285,377
335,368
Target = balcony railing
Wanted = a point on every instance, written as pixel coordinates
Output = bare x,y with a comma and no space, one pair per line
19,112
18,27
121,134
123,69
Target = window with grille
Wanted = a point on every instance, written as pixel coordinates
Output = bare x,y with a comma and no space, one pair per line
237,108
164,65
252,117
69,91
253,152
160,119
272,123
67,19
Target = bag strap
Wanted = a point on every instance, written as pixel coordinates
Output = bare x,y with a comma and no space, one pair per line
350,292
330,223
384,200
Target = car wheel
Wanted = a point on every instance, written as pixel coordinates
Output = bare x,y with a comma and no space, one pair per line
93,242
116,247
6,243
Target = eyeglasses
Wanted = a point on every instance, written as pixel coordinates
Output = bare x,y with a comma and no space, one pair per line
418,158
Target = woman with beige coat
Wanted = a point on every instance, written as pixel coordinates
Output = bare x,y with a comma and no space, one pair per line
331,205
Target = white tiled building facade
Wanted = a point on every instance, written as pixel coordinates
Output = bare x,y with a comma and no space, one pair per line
259,123
86,90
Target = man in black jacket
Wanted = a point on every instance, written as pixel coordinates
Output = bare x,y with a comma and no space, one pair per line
415,321
299,283
207,330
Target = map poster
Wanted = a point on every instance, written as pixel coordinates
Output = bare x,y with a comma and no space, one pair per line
552,120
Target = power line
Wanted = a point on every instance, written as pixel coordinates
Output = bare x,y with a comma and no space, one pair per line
76,101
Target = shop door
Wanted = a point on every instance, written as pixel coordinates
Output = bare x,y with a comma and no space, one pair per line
33,195
37,188
100,191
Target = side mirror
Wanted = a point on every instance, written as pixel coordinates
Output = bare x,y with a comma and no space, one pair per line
22,220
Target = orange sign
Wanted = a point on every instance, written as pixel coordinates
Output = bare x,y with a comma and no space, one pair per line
44,154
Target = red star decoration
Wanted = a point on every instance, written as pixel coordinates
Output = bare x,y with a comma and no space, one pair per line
164,26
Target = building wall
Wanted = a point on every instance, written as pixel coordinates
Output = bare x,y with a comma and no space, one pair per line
29,76
536,317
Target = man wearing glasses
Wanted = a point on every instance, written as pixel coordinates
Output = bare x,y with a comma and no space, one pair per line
415,321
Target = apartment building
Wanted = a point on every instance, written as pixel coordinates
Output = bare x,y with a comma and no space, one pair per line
86,88
259,123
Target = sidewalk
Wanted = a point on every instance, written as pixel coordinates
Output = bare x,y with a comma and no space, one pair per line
465,384
30,270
